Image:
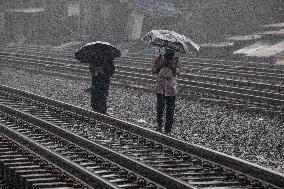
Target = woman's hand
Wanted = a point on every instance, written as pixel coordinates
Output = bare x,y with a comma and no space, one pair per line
174,70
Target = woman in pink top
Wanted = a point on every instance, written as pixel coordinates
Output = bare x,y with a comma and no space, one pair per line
167,68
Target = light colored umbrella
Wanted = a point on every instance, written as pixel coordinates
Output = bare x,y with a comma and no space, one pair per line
171,40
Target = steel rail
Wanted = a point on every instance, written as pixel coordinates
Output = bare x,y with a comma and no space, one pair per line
23,115
123,65
194,90
190,77
214,69
268,97
73,168
227,78
85,175
65,164
220,158
20,167
70,53
233,70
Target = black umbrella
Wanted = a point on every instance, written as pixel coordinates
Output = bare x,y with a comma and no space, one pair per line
171,40
96,49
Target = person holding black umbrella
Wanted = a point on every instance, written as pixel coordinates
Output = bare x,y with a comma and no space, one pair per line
101,68
100,56
167,68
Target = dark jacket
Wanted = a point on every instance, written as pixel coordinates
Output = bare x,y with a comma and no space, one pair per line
102,68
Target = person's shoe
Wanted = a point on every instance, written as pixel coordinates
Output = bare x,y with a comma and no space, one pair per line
109,114
168,133
159,129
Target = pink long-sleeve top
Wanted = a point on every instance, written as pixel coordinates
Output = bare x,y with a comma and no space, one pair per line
166,85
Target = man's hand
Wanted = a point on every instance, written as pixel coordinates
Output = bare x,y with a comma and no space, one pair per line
99,68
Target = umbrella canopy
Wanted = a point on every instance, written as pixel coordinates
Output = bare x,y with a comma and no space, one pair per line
171,40
95,49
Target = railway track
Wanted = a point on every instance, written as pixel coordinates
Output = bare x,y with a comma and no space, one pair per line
218,63
197,67
22,168
268,96
136,154
55,145
69,53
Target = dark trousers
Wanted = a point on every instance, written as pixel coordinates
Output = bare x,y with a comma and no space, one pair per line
167,102
99,94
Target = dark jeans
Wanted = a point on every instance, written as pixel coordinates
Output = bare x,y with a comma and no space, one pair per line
99,94
167,102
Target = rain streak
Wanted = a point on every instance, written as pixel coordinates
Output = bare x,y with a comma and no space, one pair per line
142,94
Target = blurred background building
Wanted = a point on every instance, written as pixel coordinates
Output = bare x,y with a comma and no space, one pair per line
59,21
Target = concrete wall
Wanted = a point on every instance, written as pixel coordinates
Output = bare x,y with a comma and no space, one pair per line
134,26
108,20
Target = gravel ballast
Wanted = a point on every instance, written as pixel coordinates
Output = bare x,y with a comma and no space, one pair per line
253,137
